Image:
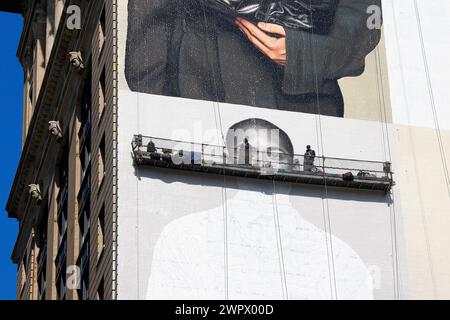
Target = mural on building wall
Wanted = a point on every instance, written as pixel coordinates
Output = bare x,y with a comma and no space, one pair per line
270,66
270,252
286,55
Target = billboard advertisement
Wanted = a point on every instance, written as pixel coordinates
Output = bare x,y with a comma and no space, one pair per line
255,152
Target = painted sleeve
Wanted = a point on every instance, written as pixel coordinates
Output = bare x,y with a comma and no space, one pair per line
312,59
153,27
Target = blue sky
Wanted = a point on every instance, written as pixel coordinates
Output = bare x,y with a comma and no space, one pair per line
11,77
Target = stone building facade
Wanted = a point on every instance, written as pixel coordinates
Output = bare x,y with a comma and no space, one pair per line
63,192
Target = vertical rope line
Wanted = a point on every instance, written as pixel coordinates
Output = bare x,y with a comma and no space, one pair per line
219,128
388,157
225,240
138,173
380,106
214,77
325,203
414,158
279,243
393,221
382,101
431,96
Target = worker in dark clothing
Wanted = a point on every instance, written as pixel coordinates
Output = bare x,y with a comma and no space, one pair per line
247,151
151,147
308,161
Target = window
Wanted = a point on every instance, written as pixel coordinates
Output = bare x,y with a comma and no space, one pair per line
41,282
84,196
84,193
61,286
62,198
84,222
84,134
83,292
42,256
83,264
85,155
84,137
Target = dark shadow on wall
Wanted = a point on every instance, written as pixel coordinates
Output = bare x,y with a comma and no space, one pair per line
234,184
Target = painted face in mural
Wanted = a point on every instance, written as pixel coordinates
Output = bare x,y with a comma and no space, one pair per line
188,259
264,58
259,142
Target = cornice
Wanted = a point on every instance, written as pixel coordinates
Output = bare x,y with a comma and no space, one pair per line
57,71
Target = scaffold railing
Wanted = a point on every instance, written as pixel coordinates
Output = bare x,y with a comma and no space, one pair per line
248,161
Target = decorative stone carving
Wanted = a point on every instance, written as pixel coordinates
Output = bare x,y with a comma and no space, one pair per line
76,60
54,129
35,192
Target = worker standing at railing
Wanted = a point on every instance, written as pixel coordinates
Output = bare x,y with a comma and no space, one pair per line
309,157
151,147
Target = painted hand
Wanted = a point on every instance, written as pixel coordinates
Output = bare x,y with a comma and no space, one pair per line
272,47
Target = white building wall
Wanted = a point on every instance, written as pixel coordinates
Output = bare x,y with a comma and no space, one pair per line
165,208
421,117
404,245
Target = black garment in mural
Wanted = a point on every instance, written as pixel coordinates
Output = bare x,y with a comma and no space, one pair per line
316,16
178,48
